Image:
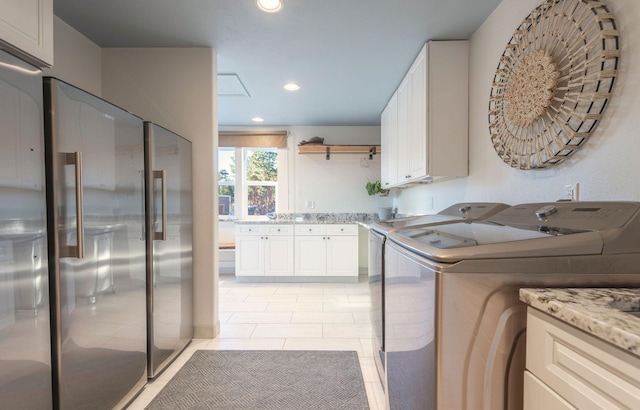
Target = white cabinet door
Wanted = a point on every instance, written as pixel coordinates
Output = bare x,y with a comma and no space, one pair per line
389,135
342,255
402,140
311,255
249,255
418,117
278,256
27,27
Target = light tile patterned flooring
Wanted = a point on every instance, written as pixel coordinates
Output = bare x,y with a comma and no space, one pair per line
288,316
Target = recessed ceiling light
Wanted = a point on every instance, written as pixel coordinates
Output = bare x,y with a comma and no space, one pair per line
257,119
291,87
270,6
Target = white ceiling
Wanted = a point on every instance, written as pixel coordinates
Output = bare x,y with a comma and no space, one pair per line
348,56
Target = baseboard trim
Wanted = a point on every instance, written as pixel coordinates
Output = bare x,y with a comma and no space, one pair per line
206,332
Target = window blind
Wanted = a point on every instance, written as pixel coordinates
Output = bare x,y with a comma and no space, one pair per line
252,139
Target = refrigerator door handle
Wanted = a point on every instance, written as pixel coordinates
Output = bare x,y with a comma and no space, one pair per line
162,176
70,251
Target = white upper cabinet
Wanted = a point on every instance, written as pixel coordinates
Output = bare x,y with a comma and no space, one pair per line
425,124
389,125
26,28
417,136
402,129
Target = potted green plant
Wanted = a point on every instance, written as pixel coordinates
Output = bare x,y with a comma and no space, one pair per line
375,188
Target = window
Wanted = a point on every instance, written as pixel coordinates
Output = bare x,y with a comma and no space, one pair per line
252,174
226,182
261,171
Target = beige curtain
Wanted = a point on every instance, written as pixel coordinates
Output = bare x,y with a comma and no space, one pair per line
252,139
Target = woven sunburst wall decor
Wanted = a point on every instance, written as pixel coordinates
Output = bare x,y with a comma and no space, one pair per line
553,82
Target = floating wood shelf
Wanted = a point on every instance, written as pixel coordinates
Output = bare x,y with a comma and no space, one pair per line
327,150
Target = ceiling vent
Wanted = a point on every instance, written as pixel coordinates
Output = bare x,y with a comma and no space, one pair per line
229,85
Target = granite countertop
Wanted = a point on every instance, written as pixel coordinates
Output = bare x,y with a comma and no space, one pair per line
317,218
600,312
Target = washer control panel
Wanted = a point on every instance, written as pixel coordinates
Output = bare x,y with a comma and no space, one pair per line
570,215
473,210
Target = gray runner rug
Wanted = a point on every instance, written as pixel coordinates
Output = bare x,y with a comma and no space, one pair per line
266,380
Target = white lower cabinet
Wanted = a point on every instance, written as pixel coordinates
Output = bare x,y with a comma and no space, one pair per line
287,250
570,369
538,395
264,250
326,250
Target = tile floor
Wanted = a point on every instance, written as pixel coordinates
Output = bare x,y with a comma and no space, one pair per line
288,316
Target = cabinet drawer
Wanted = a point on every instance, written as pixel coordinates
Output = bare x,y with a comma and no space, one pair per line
588,372
537,395
279,230
310,229
250,229
350,229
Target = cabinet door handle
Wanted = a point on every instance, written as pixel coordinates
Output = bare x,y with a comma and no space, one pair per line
162,176
66,251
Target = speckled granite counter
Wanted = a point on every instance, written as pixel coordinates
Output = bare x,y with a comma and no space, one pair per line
317,218
597,311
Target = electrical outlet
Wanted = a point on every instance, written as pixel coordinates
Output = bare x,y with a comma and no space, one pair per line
570,192
310,204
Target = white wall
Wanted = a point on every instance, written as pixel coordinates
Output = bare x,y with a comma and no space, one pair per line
336,185
78,61
176,88
606,167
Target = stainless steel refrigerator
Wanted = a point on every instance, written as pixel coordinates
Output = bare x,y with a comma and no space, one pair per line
169,230
95,206
25,356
